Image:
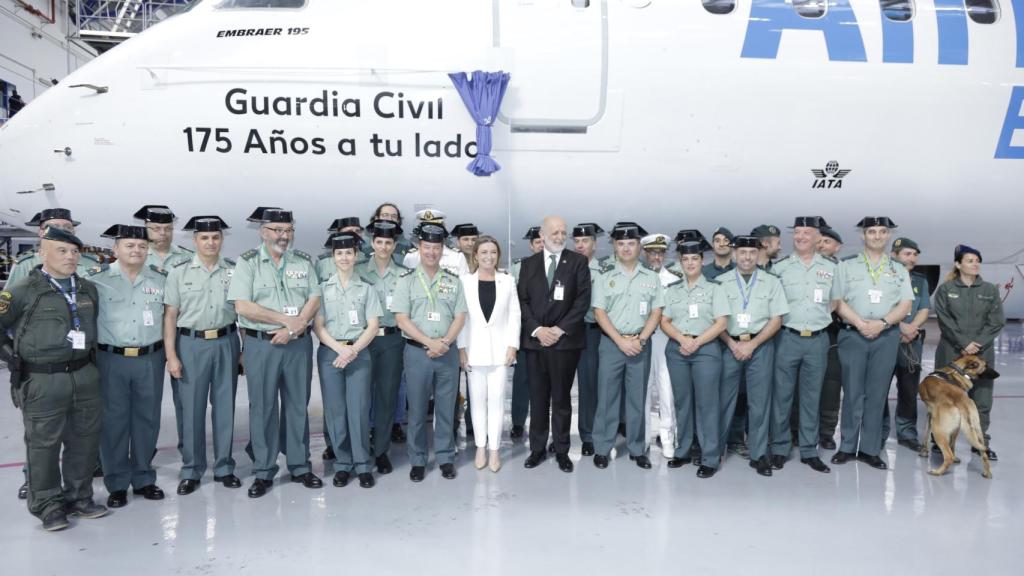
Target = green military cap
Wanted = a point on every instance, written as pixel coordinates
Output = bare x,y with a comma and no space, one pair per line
765,231
724,232
902,243
155,213
61,235
51,214
831,233
872,221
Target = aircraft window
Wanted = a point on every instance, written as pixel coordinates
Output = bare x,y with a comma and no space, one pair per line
229,4
810,8
898,10
719,6
982,11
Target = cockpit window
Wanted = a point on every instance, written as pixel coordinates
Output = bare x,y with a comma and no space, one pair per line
982,11
719,6
234,4
898,10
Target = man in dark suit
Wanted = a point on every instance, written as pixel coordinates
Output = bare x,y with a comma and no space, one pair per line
554,295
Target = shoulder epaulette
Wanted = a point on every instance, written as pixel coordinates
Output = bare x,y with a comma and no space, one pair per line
324,255
303,255
90,257
850,257
449,272
366,280
648,266
767,271
97,269
158,269
25,255
402,267
249,254
606,267
604,259
412,250
832,259
180,264
676,273
230,262
407,272
190,251
783,259
674,282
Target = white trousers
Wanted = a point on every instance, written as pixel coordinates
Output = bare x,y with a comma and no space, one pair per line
487,403
659,381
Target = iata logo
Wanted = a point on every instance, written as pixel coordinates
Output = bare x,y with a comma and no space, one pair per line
830,177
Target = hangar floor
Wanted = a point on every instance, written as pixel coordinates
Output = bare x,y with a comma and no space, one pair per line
856,520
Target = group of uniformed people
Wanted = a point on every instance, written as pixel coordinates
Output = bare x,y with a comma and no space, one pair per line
746,353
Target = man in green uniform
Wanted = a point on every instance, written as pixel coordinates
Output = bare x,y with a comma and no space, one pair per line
585,235
756,306
202,347
627,303
769,239
520,380
47,337
801,349
721,247
386,350
908,362
57,217
26,261
430,308
346,324
276,295
873,294
131,361
829,244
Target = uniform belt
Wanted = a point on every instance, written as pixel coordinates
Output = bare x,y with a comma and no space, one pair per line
745,337
132,352
342,342
211,334
58,366
805,333
387,330
853,328
411,342
259,335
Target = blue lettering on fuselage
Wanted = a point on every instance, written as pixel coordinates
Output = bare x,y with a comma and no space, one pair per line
768,19
1014,121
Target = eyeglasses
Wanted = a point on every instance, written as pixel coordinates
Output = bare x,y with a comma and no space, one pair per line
281,231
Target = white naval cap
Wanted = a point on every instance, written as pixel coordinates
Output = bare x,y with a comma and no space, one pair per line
655,242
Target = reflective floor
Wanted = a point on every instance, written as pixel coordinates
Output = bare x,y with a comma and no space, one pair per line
856,520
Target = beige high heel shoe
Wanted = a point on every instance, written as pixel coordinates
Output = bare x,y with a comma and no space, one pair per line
481,458
495,463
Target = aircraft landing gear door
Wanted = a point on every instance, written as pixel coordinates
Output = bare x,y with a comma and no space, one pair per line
557,53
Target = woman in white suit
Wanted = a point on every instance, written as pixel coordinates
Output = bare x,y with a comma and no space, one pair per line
487,346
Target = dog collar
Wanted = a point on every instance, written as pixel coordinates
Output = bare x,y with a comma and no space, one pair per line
959,370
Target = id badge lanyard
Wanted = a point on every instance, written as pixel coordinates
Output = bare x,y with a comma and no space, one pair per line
71,299
745,295
430,293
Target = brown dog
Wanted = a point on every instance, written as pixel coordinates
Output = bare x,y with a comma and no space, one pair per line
945,393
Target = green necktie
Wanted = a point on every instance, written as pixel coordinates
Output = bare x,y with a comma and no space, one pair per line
551,270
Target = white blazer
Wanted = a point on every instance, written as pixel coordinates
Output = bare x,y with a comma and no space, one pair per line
486,341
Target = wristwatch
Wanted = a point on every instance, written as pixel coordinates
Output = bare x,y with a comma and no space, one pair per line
886,324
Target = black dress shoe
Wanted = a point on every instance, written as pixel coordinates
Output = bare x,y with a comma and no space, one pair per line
341,479
816,464
587,449
229,481
873,461
383,464
448,471
309,480
991,454
417,473
117,499
151,492
259,487
534,459
762,465
564,463
23,492
778,462
186,487
911,443
328,453
641,461
600,461
517,432
397,434
678,462
827,443
706,472
842,457
366,480
56,520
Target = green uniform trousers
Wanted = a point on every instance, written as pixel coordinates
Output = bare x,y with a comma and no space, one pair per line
426,377
758,371
804,359
346,396
695,381
209,377
621,377
867,374
386,354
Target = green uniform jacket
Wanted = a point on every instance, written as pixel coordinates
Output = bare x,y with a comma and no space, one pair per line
201,295
285,288
44,337
967,314
131,313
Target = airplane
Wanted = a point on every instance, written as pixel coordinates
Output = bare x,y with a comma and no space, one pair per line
671,113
